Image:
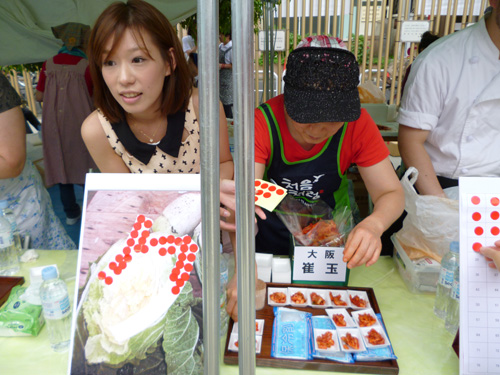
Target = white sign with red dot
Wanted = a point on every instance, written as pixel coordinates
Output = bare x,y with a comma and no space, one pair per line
479,284
268,195
141,242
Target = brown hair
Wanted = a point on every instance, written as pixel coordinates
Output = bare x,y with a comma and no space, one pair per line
138,16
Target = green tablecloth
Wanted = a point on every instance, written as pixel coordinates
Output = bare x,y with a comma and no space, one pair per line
419,338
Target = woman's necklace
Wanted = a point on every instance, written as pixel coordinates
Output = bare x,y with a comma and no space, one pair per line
151,138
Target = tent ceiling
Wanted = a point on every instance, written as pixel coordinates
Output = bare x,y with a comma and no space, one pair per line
25,34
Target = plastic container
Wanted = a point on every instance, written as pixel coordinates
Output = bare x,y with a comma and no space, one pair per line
420,276
56,309
452,320
9,255
449,263
9,215
224,280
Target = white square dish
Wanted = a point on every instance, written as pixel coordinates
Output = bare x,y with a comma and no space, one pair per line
349,321
294,293
272,291
366,331
259,327
365,318
322,296
337,297
331,350
233,343
358,299
354,333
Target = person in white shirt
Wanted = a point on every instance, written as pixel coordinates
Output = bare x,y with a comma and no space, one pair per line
450,110
189,45
226,73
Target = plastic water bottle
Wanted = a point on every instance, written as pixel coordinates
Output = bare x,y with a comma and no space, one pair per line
224,280
9,256
449,263
9,215
56,309
452,320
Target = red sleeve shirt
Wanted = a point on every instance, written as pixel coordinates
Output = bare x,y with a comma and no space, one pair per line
66,59
362,145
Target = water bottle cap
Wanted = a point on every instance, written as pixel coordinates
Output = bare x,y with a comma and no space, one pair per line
3,204
49,273
455,247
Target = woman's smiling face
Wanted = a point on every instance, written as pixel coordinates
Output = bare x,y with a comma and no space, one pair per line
135,73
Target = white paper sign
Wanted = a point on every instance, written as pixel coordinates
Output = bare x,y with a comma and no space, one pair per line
411,31
278,41
479,284
313,263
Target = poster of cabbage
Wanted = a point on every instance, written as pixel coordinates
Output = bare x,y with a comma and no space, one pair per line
138,306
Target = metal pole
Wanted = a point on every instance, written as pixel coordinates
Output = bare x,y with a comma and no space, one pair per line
242,31
208,27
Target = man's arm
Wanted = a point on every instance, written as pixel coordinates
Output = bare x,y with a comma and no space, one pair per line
411,147
12,143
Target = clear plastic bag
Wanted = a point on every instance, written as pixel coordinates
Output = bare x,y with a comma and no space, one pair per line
431,224
315,224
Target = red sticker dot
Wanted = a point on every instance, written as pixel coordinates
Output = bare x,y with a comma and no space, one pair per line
137,226
176,271
163,240
476,246
126,250
101,275
280,191
179,264
153,242
267,195
185,276
175,290
495,215
257,183
145,234
162,251
182,257
122,264
137,248
119,258
144,249
180,283
130,242
187,240
148,224
193,248
495,201
264,185
127,258
142,241
171,250
178,241
170,239
272,188
191,257
495,231
476,216
259,192
188,267
134,234
141,218
478,231
184,248
173,277
118,271
475,200
108,280
256,199
112,265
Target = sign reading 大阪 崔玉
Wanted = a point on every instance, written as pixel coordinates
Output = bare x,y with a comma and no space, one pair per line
319,264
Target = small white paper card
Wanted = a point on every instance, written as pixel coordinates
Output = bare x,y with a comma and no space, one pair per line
313,263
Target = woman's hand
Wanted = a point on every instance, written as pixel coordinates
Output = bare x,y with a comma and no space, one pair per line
363,244
492,255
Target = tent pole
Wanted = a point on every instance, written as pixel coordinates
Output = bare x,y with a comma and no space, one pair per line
243,99
208,27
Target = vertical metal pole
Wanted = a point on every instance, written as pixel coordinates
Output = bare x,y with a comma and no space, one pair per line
208,27
242,31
